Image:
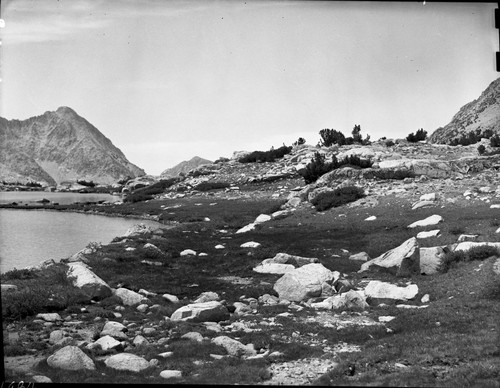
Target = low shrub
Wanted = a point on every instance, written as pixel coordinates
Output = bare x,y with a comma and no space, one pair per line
481,149
17,274
337,197
398,174
389,143
266,156
318,166
147,193
482,252
207,186
418,136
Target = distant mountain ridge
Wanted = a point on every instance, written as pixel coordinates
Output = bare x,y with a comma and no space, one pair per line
57,147
481,114
184,167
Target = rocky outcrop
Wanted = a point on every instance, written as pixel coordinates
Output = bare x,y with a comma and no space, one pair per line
403,260
481,114
60,146
381,290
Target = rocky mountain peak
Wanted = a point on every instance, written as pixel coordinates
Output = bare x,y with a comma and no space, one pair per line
482,114
60,146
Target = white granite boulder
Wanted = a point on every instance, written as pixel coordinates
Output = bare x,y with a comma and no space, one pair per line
430,259
71,358
129,297
304,282
86,280
127,362
201,312
381,290
234,348
106,344
431,220
403,260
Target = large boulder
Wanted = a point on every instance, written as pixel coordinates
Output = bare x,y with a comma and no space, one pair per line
201,312
466,245
129,297
71,358
233,347
106,344
403,260
349,299
274,268
304,282
430,259
381,290
137,230
91,284
127,362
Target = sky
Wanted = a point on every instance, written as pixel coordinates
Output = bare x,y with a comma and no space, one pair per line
169,80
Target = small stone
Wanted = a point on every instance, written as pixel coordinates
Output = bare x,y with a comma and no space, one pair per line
49,317
425,299
142,308
188,252
171,374
371,218
220,246
41,379
171,298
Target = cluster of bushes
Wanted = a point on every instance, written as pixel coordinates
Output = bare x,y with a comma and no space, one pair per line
330,137
417,136
146,193
387,173
337,197
85,183
451,259
29,184
206,186
299,141
319,166
266,156
473,137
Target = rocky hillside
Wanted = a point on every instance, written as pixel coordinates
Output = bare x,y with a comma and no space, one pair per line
60,146
481,114
184,167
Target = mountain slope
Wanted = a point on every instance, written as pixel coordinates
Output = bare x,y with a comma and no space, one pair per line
60,146
481,114
184,167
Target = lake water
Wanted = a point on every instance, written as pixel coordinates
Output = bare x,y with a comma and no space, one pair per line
28,197
28,237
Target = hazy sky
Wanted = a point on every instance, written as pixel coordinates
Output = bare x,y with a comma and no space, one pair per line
168,80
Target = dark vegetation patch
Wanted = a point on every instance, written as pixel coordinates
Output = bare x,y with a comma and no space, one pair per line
337,197
266,156
146,193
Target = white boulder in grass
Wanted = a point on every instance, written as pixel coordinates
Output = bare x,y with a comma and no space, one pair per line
420,204
201,312
71,358
106,343
404,260
262,218
235,348
129,297
86,280
127,362
304,282
431,220
361,256
220,246
274,268
168,374
466,245
430,259
188,252
250,244
495,206
381,290
428,197
371,218
430,233
246,228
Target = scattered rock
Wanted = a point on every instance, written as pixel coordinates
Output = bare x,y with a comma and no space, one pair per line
428,197
106,343
171,374
137,230
430,233
262,218
361,256
421,204
188,252
304,282
467,237
371,218
41,379
193,336
234,348
49,317
250,244
86,280
140,340
381,290
274,268
127,362
431,220
430,259
208,296
403,260
246,228
129,297
201,312
71,358
171,298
